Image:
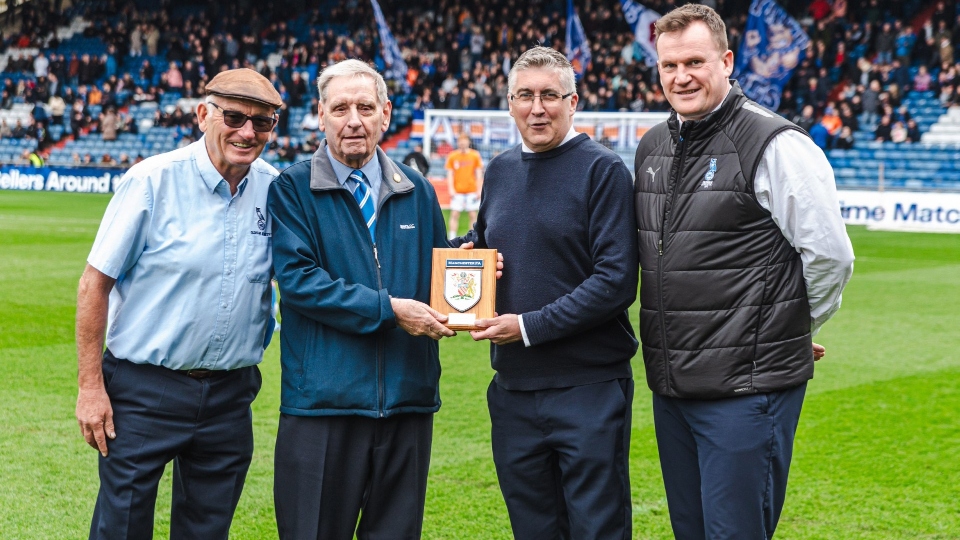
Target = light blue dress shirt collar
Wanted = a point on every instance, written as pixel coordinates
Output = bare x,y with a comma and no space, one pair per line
210,175
371,170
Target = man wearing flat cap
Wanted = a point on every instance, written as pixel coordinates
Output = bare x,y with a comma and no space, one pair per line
178,280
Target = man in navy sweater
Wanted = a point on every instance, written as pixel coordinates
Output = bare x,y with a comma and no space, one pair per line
559,207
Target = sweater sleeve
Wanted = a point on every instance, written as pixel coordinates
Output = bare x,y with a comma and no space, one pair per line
612,286
306,286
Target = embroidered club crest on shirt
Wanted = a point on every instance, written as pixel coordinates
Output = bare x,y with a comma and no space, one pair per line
708,178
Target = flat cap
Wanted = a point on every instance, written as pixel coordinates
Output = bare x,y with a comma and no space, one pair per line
245,83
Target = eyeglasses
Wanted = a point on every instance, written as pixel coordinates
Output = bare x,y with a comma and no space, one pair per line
236,120
546,98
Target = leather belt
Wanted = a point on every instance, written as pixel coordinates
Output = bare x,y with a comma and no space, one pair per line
202,373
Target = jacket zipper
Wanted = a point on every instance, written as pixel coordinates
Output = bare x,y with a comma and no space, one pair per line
380,346
667,208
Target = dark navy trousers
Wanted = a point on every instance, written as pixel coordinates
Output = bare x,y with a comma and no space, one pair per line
561,457
330,470
204,426
725,462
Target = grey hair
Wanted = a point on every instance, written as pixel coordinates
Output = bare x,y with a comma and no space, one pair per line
545,58
351,68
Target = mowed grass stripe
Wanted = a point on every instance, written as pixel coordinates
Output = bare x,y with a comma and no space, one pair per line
876,453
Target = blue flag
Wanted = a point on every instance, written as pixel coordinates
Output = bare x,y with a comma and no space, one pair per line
773,45
578,49
396,68
642,19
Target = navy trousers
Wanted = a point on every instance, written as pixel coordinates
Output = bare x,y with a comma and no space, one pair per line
330,470
160,415
725,462
561,457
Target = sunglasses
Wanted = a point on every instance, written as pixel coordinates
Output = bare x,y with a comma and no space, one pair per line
236,120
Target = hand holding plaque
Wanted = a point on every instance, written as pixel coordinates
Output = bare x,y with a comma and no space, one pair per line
464,285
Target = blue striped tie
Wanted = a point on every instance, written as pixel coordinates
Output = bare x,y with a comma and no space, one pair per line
362,194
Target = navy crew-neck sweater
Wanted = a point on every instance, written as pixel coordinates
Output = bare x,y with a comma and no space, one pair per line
564,221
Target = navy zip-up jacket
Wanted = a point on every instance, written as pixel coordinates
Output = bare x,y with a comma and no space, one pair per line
341,351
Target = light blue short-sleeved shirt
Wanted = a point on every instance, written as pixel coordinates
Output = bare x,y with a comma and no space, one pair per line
193,263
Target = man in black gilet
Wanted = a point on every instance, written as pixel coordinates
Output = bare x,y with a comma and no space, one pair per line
743,256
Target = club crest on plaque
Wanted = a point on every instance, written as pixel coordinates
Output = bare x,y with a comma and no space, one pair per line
462,283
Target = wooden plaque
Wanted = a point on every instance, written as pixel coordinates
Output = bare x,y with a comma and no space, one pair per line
464,285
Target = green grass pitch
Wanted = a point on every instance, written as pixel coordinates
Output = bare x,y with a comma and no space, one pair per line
877,454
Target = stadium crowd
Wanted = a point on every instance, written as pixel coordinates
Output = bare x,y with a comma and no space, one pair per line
861,61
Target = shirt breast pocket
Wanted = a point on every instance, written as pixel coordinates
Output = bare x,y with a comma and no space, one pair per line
259,260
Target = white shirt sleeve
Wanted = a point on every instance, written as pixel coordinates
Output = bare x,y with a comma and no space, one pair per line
795,183
523,331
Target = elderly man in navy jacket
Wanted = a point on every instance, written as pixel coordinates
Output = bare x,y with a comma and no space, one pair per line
353,237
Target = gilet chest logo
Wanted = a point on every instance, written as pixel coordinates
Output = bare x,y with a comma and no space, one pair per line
653,173
708,178
261,224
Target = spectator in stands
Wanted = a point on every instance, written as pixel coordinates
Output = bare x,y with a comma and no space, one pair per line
78,118
95,96
845,141
922,80
885,44
831,120
109,124
146,73
286,151
106,160
943,38
948,95
848,117
805,120
311,120
174,77
871,101
38,131
913,131
152,39
882,133
820,135
18,131
297,89
417,161
814,93
88,71
136,40
904,44
898,132
310,143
